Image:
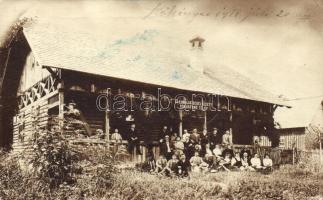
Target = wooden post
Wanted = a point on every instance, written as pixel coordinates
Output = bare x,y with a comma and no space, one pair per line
180,126
61,105
205,121
107,122
294,149
231,132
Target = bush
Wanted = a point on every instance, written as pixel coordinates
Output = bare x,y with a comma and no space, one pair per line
55,169
15,184
53,160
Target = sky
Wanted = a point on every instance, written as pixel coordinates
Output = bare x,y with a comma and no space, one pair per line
278,44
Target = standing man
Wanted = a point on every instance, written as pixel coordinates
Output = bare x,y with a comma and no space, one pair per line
163,133
186,135
166,148
195,137
133,140
204,141
227,138
214,138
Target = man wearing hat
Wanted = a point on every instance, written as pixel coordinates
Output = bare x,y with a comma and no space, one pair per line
71,110
133,140
214,138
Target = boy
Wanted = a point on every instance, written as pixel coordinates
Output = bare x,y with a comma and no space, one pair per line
161,164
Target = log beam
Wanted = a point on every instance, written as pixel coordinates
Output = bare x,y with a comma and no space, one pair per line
61,105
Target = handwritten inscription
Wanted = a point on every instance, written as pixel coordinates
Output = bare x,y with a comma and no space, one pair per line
238,14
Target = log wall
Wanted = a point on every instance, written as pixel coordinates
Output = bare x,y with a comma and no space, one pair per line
27,122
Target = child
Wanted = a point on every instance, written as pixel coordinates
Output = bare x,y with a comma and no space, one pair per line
171,166
118,140
161,164
268,163
151,160
183,166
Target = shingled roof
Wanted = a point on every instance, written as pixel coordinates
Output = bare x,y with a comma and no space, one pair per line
148,55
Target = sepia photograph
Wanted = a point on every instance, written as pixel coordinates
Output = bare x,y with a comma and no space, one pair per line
161,99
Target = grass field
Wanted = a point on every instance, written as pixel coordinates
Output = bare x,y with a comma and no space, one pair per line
286,183
101,178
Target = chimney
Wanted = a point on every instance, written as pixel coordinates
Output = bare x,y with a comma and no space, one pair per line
196,54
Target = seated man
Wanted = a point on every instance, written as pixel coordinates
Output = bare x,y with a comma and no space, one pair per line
171,166
183,166
72,110
256,162
210,160
225,163
100,134
197,163
227,150
161,164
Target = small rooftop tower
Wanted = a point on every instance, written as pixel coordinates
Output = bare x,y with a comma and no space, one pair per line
197,42
196,54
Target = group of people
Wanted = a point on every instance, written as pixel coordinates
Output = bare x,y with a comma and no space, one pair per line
203,153
196,152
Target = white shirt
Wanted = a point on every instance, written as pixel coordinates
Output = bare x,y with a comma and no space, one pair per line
168,147
268,162
255,162
227,138
209,152
116,136
186,136
179,145
217,152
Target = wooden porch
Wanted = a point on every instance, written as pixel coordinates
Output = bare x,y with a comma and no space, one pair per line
51,96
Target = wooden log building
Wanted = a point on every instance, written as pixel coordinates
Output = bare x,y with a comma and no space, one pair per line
49,67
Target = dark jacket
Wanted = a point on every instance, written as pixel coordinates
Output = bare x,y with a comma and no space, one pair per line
163,133
163,148
195,138
183,167
133,134
214,139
